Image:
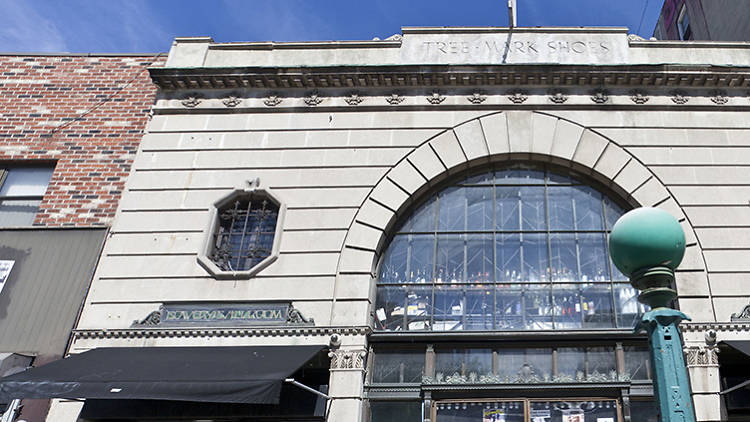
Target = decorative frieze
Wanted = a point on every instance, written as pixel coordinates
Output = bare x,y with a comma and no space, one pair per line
347,359
451,97
435,98
734,326
600,96
476,97
192,100
354,99
394,99
719,97
517,96
272,100
639,97
231,101
313,99
558,97
679,97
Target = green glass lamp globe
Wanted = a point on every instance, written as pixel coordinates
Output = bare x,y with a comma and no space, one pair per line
644,238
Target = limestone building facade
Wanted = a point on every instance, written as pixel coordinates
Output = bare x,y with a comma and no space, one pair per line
430,211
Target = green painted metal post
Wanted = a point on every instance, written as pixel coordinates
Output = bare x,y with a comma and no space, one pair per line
665,351
647,244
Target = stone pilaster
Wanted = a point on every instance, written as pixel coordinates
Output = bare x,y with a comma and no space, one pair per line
346,384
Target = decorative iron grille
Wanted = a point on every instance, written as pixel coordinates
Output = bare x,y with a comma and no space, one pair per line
245,234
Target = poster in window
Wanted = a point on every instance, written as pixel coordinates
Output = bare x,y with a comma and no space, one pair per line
540,415
493,415
574,416
5,267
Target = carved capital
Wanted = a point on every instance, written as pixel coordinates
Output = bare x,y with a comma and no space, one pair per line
701,356
347,359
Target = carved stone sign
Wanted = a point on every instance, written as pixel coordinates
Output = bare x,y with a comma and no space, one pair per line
515,47
224,314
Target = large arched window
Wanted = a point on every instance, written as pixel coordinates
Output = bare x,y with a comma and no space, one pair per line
516,248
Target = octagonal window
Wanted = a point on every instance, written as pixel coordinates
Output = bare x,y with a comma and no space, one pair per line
244,234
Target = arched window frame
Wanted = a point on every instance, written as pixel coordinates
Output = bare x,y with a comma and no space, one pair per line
455,180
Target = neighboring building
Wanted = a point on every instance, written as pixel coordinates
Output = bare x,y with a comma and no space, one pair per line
416,228
702,20
69,129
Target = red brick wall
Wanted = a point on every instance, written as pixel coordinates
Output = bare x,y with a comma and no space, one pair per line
84,113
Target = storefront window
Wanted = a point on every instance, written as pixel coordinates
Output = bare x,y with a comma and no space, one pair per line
601,410
388,411
402,366
511,249
484,411
531,365
574,411
637,363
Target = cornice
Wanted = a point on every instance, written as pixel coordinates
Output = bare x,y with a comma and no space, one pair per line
413,76
144,332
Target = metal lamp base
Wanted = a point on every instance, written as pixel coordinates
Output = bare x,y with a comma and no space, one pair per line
665,351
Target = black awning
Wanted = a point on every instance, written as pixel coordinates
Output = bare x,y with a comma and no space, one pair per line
247,374
742,346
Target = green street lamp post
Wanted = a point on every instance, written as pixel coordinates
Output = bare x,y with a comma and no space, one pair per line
647,244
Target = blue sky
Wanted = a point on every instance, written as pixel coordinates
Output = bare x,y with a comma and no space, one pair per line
146,26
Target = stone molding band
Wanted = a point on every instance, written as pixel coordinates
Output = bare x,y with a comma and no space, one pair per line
218,332
716,326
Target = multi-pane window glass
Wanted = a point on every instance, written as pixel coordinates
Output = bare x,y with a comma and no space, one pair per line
457,364
245,233
21,192
511,249
402,366
525,410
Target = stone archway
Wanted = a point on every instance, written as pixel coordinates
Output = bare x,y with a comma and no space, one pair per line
519,135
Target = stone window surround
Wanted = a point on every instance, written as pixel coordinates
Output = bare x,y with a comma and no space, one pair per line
208,234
